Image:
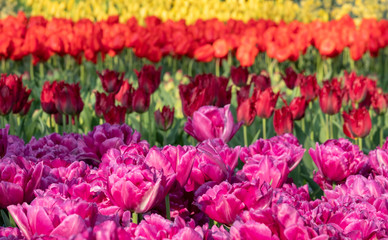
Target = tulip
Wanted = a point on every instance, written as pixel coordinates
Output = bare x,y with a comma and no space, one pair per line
136,188
47,99
283,121
290,78
103,103
125,96
243,94
265,102
68,99
22,97
357,123
6,99
115,114
261,81
211,122
204,53
165,118
250,230
219,202
141,101
380,102
309,87
330,97
246,112
221,48
356,86
246,54
4,140
111,80
298,107
149,78
239,75
336,160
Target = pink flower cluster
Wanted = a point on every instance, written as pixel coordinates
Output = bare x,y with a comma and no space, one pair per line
92,186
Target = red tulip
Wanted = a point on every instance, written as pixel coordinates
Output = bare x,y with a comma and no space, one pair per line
261,81
298,107
141,101
68,99
204,53
265,102
246,54
356,86
47,100
22,97
26,108
221,48
6,99
115,115
149,78
246,112
111,80
239,75
282,121
309,87
380,102
290,78
330,97
103,103
165,118
125,96
357,123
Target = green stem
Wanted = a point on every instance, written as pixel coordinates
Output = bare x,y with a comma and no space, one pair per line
82,74
164,138
303,124
264,128
135,217
41,70
360,143
245,135
63,123
190,67
327,127
76,119
50,122
130,59
217,67
141,124
331,126
168,207
32,70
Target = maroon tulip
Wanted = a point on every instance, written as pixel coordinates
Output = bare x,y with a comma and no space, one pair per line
149,78
239,75
111,80
265,102
141,101
282,121
6,99
290,78
22,99
165,118
298,107
243,94
380,102
309,87
330,97
115,115
246,112
26,108
68,99
125,96
357,123
356,86
261,81
47,100
103,103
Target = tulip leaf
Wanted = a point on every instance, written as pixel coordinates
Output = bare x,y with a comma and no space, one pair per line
5,218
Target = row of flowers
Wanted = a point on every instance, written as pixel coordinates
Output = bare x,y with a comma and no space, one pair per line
203,40
305,10
110,184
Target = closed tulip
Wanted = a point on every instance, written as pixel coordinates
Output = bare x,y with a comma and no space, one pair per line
290,78
164,118
309,87
149,78
6,99
115,114
330,97
125,96
204,53
4,140
103,103
239,75
210,122
68,99
261,81
298,108
265,102
357,123
47,99
111,80
246,112
141,100
283,121
380,102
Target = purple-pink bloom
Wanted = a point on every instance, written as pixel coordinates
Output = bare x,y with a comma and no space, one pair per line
336,160
3,140
136,188
10,233
107,230
210,122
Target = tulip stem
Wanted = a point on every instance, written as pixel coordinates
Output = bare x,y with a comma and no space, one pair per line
245,135
64,123
41,70
331,126
264,128
32,70
328,127
76,119
134,217
360,143
140,123
168,207
217,67
50,122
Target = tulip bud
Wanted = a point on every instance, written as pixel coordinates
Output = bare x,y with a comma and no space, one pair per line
141,101
115,115
68,99
239,75
125,96
290,78
298,107
330,98
282,121
165,118
221,48
111,80
246,112
380,102
22,97
6,100
149,78
357,123
309,87
47,100
356,86
261,81
26,108
103,103
265,102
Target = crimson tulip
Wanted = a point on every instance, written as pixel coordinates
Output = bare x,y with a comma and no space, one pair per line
330,97
357,123
261,81
115,115
380,102
4,140
6,99
125,96
141,101
282,121
103,103
111,80
265,102
309,87
246,112
68,99
149,78
290,78
47,100
239,75
356,87
298,107
165,118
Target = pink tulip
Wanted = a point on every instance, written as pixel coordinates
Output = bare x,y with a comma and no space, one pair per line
210,122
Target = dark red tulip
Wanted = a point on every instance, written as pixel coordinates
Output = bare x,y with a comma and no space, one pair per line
356,87
125,96
164,118
246,112
309,87
265,102
26,108
282,121
47,100
68,99
6,99
290,78
103,103
239,75
261,81
243,94
357,123
22,99
141,101
149,78
111,80
115,115
330,97
380,102
298,107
